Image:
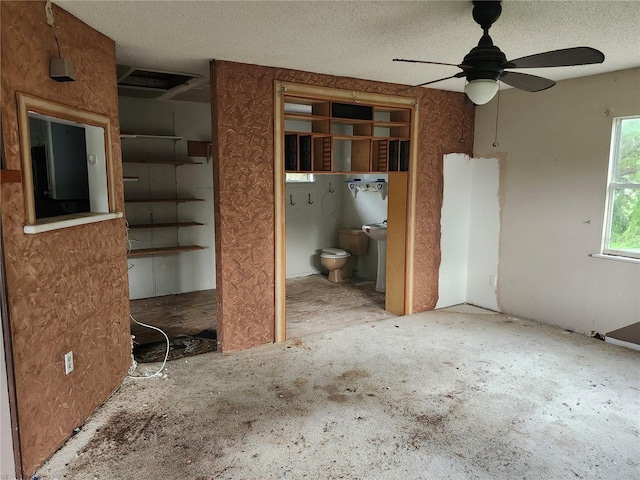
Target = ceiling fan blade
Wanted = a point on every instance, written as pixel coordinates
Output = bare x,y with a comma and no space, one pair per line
559,58
524,81
457,75
430,63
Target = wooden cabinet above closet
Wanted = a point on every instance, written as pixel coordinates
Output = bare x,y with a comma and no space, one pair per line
337,137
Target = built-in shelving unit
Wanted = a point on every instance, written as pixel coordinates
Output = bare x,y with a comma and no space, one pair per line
151,199
333,137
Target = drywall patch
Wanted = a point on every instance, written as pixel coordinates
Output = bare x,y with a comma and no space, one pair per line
470,223
454,231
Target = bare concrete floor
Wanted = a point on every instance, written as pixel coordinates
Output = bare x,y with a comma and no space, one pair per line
428,396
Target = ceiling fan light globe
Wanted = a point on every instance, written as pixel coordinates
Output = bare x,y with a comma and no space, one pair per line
481,91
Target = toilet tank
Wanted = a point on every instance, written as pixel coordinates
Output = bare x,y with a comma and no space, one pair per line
354,241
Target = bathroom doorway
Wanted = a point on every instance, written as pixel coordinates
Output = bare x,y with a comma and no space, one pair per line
399,186
331,264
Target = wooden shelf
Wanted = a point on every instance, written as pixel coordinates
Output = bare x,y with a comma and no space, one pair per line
150,136
166,225
164,162
378,137
351,138
157,251
388,124
10,176
164,200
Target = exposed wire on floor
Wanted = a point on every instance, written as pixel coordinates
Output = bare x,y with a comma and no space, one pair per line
129,244
166,355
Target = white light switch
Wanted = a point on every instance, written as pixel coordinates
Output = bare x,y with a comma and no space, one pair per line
68,363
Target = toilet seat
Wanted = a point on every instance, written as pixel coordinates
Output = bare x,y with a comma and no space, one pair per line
334,253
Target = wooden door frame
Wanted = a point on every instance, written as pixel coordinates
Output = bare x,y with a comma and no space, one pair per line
282,89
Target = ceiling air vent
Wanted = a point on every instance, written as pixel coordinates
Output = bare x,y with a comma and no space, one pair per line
145,83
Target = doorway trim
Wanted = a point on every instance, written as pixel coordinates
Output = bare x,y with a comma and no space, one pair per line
282,89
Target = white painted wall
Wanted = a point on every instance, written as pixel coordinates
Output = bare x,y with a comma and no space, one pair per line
7,464
366,207
312,227
454,231
554,150
186,272
470,228
484,233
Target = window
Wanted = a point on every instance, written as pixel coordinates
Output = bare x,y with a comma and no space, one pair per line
622,226
299,178
66,165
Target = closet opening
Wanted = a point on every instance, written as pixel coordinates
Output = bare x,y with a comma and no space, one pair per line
168,191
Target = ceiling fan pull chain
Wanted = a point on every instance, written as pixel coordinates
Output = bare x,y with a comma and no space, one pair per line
495,140
461,139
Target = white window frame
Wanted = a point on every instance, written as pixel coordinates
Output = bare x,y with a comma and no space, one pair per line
289,177
612,185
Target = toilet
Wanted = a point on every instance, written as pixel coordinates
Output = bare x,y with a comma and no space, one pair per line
341,261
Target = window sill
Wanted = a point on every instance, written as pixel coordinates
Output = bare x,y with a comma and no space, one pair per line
56,223
616,257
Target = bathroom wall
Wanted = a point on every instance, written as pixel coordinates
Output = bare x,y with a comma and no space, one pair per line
188,271
365,207
312,227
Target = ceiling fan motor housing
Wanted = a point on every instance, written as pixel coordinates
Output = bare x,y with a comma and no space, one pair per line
487,61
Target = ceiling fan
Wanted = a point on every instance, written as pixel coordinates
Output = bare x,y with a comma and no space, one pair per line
485,64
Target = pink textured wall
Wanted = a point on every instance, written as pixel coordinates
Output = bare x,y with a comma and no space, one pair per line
244,192
67,289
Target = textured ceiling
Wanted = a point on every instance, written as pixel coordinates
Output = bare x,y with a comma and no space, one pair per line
358,38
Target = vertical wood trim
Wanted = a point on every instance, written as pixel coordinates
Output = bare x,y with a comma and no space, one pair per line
111,177
25,155
411,210
280,330
396,237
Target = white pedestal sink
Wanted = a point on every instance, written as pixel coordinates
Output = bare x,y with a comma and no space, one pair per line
378,232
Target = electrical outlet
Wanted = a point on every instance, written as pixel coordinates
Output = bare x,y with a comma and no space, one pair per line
68,363
493,280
